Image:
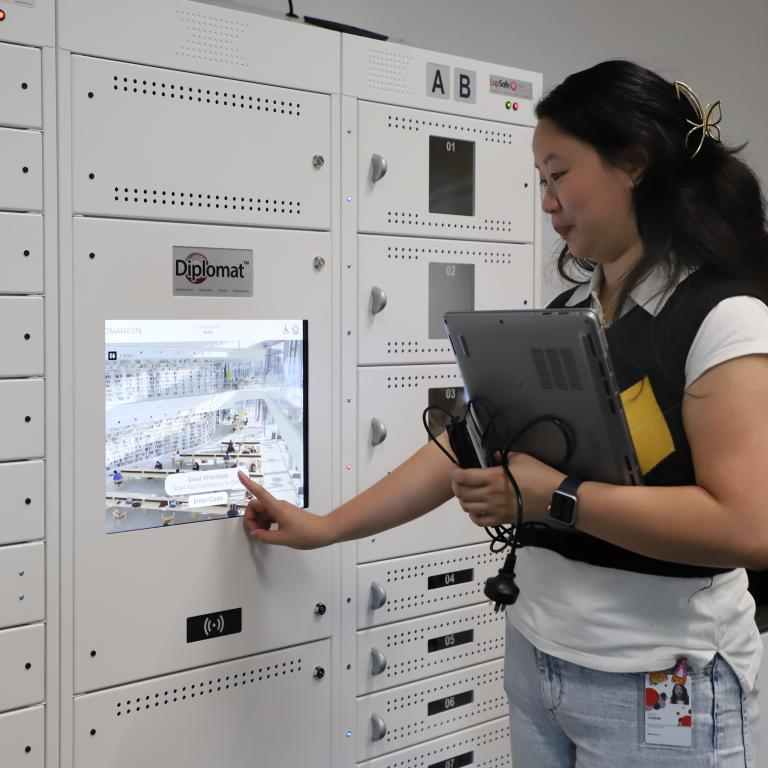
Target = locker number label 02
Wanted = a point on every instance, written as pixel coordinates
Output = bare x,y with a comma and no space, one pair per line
449,579
459,761
449,641
450,702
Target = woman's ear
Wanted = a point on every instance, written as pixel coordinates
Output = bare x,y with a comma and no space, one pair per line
634,162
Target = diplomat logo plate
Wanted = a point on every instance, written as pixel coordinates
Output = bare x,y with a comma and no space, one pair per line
219,272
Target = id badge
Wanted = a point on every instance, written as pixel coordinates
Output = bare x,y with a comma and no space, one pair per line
669,707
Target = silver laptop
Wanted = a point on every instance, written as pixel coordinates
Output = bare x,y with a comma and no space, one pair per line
519,366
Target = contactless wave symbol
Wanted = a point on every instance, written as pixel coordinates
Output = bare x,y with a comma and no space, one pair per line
213,626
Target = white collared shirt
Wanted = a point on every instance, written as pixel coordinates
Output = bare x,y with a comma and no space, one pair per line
621,621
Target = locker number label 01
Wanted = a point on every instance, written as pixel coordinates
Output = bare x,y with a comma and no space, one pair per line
449,641
459,761
449,579
450,702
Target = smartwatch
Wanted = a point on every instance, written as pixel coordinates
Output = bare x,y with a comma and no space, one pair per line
565,503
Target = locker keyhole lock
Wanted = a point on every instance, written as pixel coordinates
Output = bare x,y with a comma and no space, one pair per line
378,299
378,595
319,673
320,609
378,727
318,263
318,161
378,431
378,168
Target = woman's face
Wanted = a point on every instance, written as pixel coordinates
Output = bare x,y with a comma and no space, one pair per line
589,201
678,691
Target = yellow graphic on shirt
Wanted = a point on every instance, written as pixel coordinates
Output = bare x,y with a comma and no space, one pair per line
650,432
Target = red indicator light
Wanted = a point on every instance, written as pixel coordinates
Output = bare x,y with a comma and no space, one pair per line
515,106
2,15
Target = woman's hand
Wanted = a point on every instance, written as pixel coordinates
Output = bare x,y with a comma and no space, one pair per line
489,499
296,527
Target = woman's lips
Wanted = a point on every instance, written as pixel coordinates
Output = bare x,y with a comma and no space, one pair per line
563,231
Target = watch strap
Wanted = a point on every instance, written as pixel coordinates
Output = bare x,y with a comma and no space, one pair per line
570,485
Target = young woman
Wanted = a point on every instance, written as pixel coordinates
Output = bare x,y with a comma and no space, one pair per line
648,588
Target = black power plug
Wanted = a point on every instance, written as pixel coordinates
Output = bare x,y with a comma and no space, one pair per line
501,589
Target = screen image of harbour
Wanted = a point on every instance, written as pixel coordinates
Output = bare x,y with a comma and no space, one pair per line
188,405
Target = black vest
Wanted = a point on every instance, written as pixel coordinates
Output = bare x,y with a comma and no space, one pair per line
648,355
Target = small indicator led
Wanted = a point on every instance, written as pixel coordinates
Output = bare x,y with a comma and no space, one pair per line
2,15
349,466
508,105
515,106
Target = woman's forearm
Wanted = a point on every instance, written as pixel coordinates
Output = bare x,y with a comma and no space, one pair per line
683,524
417,486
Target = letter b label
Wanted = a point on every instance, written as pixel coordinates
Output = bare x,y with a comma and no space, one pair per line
465,83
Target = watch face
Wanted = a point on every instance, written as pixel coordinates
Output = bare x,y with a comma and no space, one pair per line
562,507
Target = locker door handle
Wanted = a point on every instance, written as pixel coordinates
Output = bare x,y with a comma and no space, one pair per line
378,431
378,727
378,661
378,595
378,299
378,168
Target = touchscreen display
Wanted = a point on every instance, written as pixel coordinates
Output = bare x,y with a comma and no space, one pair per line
451,176
188,404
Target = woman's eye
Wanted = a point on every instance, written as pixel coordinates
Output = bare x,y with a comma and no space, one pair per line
557,175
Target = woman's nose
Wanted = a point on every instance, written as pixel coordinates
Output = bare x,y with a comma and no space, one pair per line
549,201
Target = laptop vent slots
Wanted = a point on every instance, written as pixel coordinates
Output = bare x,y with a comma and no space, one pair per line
556,368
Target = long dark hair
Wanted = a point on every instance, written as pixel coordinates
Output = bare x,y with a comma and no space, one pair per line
702,211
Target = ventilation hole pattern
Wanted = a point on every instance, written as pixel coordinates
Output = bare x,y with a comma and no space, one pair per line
426,662
419,571
489,256
472,589
556,369
488,707
167,90
488,738
415,220
472,680
415,635
207,687
415,347
204,200
405,382
401,123
388,72
212,38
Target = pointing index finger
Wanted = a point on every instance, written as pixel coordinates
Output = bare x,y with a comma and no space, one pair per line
259,491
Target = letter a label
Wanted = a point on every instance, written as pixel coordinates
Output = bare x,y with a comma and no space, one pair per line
438,81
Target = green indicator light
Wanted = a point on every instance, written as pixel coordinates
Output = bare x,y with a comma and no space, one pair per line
509,105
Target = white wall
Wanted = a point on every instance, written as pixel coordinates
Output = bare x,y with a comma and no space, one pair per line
717,47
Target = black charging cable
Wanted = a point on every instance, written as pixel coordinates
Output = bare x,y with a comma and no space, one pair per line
291,14
500,589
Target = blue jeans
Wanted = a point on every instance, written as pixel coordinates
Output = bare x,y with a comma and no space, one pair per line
563,715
